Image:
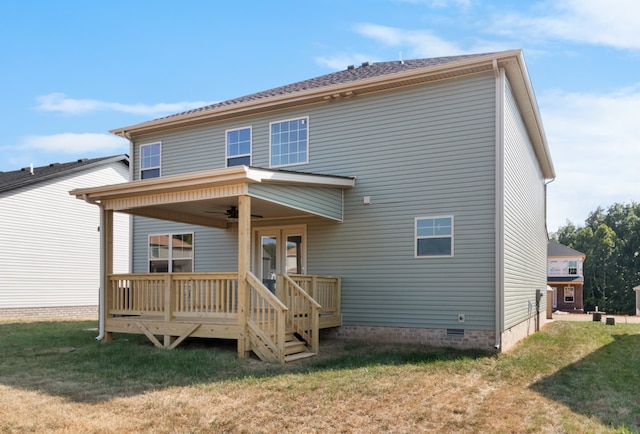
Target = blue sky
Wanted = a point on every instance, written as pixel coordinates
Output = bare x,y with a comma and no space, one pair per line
73,70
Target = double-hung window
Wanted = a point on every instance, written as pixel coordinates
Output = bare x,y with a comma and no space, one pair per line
573,267
290,142
434,236
171,253
569,294
150,161
239,147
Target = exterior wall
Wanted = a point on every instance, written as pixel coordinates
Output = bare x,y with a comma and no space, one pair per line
577,306
470,339
419,152
525,237
224,257
53,259
85,312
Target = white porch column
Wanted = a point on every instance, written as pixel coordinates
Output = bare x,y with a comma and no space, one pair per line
637,290
244,257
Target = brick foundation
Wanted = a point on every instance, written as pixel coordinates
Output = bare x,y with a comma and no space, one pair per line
470,339
50,312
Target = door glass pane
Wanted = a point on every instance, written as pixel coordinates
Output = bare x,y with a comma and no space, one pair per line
269,266
294,254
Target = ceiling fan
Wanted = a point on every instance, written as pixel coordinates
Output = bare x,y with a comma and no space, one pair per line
232,213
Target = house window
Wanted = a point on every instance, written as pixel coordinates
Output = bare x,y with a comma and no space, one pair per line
150,161
573,267
434,236
569,294
239,147
290,142
171,253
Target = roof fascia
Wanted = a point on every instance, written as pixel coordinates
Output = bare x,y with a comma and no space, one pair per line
216,177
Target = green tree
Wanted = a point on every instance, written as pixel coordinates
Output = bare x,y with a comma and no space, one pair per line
611,242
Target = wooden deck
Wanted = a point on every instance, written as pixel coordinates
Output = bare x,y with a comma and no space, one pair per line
175,306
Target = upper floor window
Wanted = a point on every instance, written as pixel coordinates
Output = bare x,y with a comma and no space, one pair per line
171,253
239,147
150,161
434,236
290,142
573,267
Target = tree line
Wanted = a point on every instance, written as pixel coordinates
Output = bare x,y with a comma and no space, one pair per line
611,242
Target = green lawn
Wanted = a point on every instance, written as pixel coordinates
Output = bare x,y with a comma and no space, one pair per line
571,377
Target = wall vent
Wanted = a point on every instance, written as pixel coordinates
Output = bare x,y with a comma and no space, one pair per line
455,332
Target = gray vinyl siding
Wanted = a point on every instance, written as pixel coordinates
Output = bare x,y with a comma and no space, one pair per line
326,202
525,239
51,241
214,249
417,152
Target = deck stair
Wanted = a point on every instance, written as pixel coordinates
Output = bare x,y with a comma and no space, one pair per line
294,348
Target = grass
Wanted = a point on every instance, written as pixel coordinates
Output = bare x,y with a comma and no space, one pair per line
572,377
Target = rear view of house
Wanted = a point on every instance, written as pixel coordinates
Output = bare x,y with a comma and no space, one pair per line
50,262
566,277
399,201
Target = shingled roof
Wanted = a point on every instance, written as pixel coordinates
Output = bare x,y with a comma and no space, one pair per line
557,249
28,176
349,75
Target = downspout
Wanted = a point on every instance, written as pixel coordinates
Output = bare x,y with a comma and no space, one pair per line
101,297
499,198
101,300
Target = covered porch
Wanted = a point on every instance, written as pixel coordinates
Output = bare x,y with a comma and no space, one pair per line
280,325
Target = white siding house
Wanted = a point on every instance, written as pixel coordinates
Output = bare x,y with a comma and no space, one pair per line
49,265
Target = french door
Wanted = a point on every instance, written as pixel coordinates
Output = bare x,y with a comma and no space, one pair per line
279,250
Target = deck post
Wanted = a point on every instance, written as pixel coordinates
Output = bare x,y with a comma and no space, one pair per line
244,255
169,305
106,234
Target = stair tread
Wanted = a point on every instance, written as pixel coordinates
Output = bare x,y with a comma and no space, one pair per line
298,356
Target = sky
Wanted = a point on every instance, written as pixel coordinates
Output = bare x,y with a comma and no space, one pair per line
72,70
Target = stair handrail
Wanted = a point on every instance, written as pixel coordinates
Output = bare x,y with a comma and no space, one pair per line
311,335
268,322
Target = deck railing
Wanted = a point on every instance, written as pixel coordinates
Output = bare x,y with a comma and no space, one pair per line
173,294
324,290
303,312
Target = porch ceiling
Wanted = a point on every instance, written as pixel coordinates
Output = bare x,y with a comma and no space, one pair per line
203,198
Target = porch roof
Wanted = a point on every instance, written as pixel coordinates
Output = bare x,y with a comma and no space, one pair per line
203,198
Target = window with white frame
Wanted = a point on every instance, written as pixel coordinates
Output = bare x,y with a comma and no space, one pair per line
239,147
150,161
569,294
434,236
289,142
171,253
573,267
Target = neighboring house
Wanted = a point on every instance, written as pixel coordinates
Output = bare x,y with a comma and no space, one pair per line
50,263
418,186
565,276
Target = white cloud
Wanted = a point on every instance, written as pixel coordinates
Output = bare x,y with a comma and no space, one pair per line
74,143
59,102
597,22
594,141
423,43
